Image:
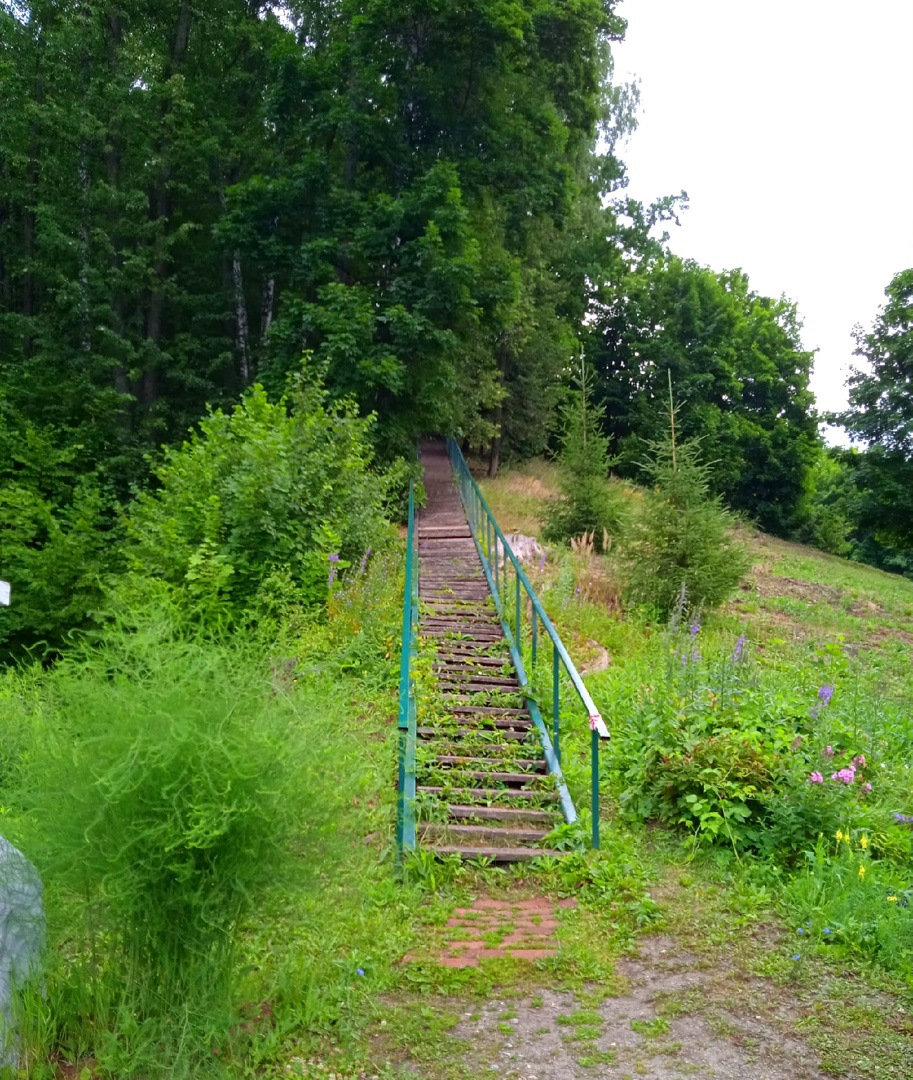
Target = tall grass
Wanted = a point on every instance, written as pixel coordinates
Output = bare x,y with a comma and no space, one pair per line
171,784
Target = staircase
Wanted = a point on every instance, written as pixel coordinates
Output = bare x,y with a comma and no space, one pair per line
482,788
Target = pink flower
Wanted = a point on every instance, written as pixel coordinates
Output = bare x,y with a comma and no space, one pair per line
828,752
846,775
816,778
859,761
866,788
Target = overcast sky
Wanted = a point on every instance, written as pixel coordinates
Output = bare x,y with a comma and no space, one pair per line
790,125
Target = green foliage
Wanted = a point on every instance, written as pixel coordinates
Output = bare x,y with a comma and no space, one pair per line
268,493
737,362
589,504
171,785
56,559
680,550
845,897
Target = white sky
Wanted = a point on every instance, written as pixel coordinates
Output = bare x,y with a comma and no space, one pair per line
790,125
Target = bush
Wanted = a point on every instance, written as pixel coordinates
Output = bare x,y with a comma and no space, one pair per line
680,548
173,784
589,503
271,492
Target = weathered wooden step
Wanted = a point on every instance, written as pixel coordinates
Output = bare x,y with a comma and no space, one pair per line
459,811
495,854
508,836
489,795
456,675
468,732
445,660
532,767
487,710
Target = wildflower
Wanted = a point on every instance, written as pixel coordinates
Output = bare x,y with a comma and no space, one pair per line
359,971
861,871
694,629
826,930
827,752
542,562
839,836
863,842
892,899
904,819
866,788
816,778
364,560
737,651
800,930
333,560
859,761
846,775
826,693
796,956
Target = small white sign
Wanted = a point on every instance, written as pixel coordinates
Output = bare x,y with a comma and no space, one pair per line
5,593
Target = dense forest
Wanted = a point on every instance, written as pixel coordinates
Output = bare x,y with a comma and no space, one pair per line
417,208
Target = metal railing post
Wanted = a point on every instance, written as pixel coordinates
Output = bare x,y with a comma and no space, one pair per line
556,704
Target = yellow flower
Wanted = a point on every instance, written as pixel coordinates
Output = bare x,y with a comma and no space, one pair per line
861,871
839,835
863,842
892,899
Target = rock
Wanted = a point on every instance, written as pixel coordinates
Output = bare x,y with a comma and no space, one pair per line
21,937
526,548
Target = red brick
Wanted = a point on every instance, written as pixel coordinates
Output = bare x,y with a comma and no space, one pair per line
530,954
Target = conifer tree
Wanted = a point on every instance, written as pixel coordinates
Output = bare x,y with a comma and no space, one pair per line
680,547
588,502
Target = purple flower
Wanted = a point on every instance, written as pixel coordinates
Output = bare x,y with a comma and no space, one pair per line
816,778
695,629
826,693
542,562
359,971
846,775
866,788
827,752
364,560
903,819
737,651
333,560
859,761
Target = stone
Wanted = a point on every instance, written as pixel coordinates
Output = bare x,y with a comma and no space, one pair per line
22,933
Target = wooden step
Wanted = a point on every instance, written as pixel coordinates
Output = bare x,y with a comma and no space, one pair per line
468,732
495,854
482,834
500,813
532,767
491,794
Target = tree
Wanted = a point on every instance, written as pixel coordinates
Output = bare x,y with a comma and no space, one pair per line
681,549
588,503
880,415
739,367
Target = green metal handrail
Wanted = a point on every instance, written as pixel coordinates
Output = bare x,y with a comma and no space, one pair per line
405,800
484,527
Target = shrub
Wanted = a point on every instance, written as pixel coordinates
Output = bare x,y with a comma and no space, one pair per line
681,545
173,783
269,492
589,504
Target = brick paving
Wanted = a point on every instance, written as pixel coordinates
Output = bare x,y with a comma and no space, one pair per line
497,930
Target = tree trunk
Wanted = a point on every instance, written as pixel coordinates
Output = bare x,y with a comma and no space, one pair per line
241,327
